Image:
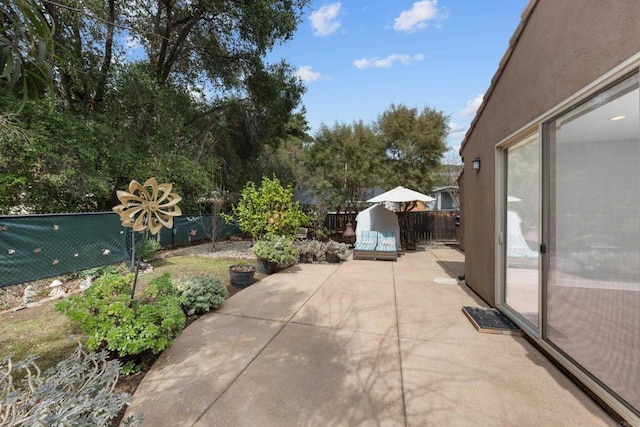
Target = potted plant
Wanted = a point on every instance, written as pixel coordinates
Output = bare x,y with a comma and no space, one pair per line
310,250
274,252
241,274
335,252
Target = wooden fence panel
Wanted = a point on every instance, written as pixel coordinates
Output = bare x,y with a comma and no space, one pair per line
434,225
424,225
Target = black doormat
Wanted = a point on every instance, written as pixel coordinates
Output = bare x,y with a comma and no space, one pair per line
491,321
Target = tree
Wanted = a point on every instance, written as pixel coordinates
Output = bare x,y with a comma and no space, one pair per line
216,40
267,209
203,101
286,161
343,162
414,143
56,162
26,46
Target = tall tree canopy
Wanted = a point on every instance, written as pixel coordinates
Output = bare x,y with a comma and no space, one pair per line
201,101
343,162
415,144
403,147
26,41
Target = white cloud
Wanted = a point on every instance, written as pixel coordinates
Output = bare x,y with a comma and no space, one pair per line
456,131
387,62
418,16
324,21
306,74
471,107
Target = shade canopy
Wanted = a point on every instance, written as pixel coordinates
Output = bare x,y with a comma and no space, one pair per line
401,194
377,218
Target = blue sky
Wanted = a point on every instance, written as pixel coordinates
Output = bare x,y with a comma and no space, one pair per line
357,58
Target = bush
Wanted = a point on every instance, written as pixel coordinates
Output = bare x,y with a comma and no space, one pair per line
274,248
201,295
267,209
336,248
132,330
150,248
79,391
310,250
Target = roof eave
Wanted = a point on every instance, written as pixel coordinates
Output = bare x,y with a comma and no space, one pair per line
513,41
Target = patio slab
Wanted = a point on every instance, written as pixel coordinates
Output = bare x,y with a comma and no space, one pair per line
353,304
448,384
279,296
316,376
198,367
359,343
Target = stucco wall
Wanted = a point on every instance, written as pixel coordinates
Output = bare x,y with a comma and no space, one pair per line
562,47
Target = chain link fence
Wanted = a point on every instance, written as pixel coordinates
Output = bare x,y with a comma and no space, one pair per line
34,247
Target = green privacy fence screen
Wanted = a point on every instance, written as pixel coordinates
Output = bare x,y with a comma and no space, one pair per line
38,246
33,247
193,228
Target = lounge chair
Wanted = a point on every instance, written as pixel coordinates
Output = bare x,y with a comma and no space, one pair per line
376,245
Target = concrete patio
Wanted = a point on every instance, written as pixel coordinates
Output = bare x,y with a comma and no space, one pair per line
358,343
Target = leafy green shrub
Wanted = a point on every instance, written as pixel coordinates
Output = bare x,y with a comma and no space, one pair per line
274,248
79,391
268,209
203,294
150,248
132,330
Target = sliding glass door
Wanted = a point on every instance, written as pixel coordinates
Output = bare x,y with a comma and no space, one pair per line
593,280
522,230
571,241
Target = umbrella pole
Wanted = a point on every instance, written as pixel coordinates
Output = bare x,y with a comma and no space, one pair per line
409,244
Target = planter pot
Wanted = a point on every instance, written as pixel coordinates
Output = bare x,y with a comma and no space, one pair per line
332,258
241,277
306,259
267,267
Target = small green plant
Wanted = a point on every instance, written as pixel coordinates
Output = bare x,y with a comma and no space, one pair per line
201,295
79,391
131,330
335,248
149,248
274,248
103,269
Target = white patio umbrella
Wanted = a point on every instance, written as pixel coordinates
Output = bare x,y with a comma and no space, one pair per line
401,194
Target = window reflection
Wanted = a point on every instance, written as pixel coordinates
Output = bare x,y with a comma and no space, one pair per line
593,289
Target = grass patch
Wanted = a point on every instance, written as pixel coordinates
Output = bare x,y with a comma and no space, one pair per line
40,331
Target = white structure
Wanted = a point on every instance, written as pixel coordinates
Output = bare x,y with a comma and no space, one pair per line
377,218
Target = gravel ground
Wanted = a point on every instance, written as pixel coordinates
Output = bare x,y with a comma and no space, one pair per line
223,249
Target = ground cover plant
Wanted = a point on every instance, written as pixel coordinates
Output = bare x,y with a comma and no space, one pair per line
201,295
133,330
79,391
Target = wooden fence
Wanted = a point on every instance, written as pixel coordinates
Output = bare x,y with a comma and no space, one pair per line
424,225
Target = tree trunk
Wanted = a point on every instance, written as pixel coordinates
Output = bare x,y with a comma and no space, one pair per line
108,52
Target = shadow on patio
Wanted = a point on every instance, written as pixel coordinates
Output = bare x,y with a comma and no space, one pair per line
359,343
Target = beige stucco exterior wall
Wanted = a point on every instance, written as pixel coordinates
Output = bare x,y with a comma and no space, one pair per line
562,47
